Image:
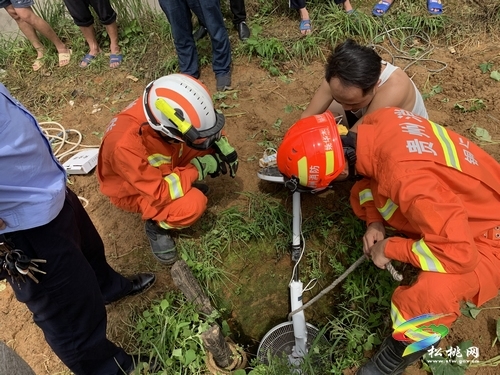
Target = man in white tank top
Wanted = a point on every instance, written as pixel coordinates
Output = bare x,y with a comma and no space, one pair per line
357,81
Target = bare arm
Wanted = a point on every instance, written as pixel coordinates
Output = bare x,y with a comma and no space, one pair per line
320,102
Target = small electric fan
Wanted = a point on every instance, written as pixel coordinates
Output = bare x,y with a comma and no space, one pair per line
291,339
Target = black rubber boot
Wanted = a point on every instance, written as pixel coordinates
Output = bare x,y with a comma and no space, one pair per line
389,359
204,188
162,244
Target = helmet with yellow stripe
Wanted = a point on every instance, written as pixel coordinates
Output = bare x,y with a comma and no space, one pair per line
180,107
311,152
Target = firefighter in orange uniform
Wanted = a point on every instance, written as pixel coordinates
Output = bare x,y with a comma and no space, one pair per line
432,185
156,150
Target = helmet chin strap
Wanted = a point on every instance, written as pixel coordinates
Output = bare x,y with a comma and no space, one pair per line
349,145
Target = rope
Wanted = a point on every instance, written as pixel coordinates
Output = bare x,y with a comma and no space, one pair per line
395,274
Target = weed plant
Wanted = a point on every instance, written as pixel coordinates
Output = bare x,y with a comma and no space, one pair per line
170,333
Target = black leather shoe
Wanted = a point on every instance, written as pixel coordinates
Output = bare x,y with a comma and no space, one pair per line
200,33
141,282
243,31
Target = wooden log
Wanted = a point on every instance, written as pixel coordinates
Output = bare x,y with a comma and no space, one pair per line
184,280
214,342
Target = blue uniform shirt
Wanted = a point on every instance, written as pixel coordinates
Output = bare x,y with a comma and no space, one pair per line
32,182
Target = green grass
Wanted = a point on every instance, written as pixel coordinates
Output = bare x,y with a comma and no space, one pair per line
260,233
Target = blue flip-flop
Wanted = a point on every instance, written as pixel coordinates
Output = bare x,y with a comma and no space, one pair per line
115,58
305,25
87,59
381,8
435,7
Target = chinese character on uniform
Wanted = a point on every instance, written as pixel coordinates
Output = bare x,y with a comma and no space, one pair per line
401,113
463,143
469,156
420,147
414,129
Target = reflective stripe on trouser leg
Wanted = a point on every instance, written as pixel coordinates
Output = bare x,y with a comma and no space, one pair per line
433,293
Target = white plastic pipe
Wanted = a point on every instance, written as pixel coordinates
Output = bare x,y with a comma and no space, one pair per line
296,219
298,320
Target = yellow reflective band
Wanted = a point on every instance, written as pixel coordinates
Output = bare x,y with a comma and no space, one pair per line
427,260
330,161
365,196
388,210
158,159
413,332
174,186
302,165
450,152
397,318
165,225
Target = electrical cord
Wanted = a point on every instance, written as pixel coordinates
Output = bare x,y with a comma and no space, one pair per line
406,55
58,138
61,139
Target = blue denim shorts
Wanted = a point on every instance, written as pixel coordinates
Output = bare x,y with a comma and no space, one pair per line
17,3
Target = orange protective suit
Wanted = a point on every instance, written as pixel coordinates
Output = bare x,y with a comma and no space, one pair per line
443,192
142,172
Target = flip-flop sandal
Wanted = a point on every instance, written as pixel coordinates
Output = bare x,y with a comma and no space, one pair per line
305,25
37,64
87,59
381,8
64,58
435,7
115,58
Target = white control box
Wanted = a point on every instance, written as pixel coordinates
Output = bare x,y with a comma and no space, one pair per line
82,162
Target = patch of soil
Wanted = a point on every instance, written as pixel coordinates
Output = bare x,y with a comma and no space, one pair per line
260,103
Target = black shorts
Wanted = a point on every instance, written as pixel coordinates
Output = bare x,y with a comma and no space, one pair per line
80,11
297,4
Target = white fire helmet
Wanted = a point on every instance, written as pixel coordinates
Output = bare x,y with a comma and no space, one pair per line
180,107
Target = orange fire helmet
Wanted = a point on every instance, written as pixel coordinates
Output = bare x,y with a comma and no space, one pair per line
311,152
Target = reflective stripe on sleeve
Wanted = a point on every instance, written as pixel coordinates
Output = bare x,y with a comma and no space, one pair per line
427,260
365,196
174,186
166,226
388,210
449,150
397,318
158,159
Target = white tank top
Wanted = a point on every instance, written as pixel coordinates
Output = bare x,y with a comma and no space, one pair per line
418,107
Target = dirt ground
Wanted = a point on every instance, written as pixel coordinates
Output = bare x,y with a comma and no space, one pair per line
259,101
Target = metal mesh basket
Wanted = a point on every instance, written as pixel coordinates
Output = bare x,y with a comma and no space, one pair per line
280,340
